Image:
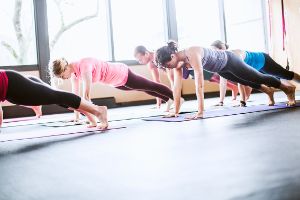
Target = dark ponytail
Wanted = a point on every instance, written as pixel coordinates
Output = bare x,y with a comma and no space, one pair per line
173,46
163,54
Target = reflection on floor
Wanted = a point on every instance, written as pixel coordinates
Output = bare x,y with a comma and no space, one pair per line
248,156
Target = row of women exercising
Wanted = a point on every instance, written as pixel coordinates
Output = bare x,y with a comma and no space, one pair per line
247,69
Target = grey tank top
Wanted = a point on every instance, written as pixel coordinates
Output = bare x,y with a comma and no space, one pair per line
214,60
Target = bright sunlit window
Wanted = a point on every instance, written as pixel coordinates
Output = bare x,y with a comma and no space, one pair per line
17,35
78,29
198,22
245,25
136,22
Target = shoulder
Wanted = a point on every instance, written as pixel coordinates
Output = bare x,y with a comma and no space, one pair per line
194,50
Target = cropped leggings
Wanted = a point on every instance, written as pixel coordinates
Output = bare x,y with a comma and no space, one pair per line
274,69
238,71
140,83
33,92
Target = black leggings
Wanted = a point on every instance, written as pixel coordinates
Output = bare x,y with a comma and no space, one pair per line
140,83
238,71
273,68
35,79
23,91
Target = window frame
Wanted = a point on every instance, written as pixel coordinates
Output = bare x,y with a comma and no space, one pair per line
42,37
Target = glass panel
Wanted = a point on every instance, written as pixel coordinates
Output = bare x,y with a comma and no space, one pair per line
137,22
244,20
77,29
198,22
17,35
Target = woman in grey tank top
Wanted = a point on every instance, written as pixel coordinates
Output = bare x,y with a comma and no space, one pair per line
225,63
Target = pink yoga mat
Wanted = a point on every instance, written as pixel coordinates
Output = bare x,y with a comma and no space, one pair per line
35,134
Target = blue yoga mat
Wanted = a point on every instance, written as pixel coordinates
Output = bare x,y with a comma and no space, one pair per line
224,112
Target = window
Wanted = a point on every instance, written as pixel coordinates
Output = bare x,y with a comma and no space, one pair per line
17,36
77,29
198,22
141,23
245,24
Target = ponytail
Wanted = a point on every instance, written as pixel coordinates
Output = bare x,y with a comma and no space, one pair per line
173,46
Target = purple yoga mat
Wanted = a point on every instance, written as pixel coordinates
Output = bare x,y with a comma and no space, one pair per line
9,137
224,112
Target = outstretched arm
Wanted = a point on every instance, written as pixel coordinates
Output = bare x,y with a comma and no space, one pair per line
86,89
87,85
75,89
177,89
196,63
170,74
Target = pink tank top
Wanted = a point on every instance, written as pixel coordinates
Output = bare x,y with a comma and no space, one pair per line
114,74
3,85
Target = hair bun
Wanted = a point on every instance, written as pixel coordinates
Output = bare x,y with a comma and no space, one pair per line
173,45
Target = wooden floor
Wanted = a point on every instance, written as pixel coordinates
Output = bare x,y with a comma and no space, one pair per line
248,156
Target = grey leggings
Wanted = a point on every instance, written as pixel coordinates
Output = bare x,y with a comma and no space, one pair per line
140,83
238,71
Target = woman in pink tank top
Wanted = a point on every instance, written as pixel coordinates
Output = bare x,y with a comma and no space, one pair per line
118,75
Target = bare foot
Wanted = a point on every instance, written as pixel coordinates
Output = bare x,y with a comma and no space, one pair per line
102,116
290,93
37,110
91,125
91,120
221,103
270,94
103,126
